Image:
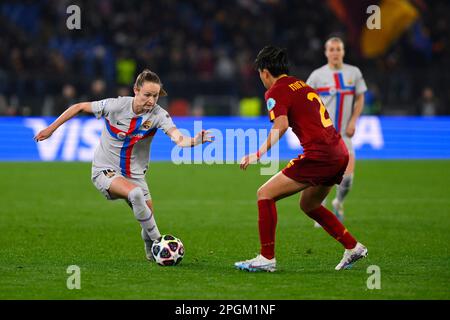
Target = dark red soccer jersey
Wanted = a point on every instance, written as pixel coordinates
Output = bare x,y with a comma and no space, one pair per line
307,117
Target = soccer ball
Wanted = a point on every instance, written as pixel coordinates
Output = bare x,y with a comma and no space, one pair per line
169,251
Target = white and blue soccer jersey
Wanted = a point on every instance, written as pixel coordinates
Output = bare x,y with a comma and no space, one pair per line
126,137
337,89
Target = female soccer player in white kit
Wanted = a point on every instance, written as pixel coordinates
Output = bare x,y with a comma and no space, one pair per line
341,87
121,158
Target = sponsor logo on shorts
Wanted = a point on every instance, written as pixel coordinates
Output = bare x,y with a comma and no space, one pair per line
109,173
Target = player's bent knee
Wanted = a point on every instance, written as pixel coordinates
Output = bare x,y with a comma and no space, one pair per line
149,204
303,207
262,193
136,195
308,206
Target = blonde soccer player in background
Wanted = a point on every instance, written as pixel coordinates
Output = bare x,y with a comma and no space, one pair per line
341,87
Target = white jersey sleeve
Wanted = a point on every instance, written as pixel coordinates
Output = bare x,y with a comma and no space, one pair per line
165,121
104,107
360,84
312,80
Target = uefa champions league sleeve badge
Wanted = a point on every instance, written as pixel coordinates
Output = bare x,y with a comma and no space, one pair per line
271,103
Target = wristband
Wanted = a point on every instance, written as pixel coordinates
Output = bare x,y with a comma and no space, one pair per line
258,155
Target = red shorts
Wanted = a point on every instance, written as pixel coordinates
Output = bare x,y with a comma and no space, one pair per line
316,172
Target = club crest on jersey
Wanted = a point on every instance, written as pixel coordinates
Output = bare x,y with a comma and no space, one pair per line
146,125
121,135
271,103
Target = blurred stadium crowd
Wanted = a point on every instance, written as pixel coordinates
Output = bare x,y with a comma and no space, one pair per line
203,49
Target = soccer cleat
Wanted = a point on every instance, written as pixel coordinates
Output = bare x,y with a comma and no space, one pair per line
260,263
338,209
147,246
317,225
351,256
148,250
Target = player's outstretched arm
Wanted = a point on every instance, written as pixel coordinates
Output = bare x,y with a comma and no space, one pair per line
280,125
71,112
184,141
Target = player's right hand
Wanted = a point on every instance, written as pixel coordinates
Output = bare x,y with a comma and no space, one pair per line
248,159
350,130
43,134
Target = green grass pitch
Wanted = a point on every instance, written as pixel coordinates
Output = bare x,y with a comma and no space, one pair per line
51,217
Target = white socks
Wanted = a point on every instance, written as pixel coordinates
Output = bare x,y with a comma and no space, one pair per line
143,213
344,187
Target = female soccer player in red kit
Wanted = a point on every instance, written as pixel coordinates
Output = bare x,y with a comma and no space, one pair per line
292,103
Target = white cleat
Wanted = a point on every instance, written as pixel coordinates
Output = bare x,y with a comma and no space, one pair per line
317,225
148,250
147,246
260,263
338,209
351,256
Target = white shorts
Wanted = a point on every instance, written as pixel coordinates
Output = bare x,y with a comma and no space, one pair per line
102,181
348,144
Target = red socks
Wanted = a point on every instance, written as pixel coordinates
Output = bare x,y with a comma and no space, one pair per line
267,223
333,226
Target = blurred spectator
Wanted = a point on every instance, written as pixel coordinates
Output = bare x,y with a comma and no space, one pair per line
372,104
179,108
195,43
225,67
250,107
125,69
67,98
98,90
198,111
3,105
26,111
9,108
124,92
428,103
205,64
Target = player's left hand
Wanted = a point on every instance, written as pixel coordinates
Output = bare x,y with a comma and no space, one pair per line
248,159
350,130
204,136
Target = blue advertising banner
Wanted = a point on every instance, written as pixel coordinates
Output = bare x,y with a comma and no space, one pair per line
376,138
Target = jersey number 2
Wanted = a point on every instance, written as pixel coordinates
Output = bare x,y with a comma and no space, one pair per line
326,122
